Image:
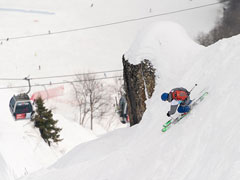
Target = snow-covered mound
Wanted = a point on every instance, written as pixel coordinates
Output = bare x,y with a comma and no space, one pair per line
23,150
204,145
161,40
168,47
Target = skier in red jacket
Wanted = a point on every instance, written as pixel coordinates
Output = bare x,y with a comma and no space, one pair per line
179,99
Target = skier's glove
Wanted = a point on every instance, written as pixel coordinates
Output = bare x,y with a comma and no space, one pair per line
168,114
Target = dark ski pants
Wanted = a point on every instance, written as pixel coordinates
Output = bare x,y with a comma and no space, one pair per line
184,109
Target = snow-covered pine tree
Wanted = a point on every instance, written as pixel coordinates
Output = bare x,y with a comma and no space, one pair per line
43,119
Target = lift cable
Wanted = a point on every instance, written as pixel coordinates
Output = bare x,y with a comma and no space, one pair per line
110,24
57,83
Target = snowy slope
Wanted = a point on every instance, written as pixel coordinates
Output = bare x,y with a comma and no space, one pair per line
21,148
72,50
5,174
24,150
204,145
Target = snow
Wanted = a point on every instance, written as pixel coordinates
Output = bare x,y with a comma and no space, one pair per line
22,147
203,145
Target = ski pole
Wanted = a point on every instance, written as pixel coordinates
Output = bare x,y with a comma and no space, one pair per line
192,88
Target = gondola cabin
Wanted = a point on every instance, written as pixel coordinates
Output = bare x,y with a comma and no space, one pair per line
21,106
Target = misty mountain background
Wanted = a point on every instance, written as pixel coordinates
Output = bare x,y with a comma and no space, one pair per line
227,26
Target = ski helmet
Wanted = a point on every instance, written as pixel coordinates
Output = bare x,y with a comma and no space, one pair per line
164,96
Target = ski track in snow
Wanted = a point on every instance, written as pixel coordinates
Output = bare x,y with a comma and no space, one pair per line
27,11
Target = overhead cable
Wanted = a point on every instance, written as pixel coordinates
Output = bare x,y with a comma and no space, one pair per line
56,83
60,76
110,24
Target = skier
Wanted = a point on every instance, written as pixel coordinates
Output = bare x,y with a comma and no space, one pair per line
179,99
123,109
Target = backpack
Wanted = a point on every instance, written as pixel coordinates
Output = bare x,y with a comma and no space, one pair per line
179,95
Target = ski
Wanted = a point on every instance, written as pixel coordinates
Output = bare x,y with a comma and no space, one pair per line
169,123
165,128
198,100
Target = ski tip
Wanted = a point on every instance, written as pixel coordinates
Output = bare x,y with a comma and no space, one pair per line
165,129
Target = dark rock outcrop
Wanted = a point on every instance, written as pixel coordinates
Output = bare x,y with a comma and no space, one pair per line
139,82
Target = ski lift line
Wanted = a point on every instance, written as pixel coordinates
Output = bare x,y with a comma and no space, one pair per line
57,83
59,76
72,75
11,79
112,23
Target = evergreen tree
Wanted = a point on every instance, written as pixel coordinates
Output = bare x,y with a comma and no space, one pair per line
43,119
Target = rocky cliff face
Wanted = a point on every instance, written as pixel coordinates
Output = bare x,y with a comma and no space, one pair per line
139,84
